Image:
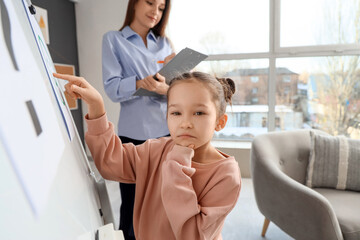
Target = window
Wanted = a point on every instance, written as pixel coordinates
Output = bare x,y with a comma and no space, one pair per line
321,22
254,79
286,79
328,96
301,72
277,122
220,27
286,90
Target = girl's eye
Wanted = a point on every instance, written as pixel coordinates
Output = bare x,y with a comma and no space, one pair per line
150,3
161,9
199,113
175,113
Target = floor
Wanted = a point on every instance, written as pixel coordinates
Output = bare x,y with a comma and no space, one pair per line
244,222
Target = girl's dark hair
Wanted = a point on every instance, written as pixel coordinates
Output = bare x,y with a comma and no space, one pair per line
159,29
221,89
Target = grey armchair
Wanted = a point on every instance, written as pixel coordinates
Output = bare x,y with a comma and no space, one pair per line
278,165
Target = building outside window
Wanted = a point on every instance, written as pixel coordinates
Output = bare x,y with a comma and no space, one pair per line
292,70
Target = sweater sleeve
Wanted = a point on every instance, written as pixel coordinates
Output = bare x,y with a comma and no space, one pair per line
189,217
114,160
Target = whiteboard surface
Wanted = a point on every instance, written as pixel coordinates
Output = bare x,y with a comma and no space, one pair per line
71,210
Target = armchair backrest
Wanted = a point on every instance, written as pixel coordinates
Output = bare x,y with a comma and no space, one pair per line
288,151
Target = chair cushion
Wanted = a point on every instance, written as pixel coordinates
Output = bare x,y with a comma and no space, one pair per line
334,162
347,209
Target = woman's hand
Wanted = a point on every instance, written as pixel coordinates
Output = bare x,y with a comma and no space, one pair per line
149,83
78,87
168,58
159,86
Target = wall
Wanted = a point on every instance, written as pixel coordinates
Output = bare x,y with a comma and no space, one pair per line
63,43
93,19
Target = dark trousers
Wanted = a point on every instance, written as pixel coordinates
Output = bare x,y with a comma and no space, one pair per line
127,191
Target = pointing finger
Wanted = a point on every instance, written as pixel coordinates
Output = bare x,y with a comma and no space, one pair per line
71,78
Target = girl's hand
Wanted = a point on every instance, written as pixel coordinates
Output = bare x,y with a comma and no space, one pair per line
149,83
191,146
78,87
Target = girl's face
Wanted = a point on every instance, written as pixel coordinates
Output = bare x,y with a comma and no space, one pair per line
148,13
192,115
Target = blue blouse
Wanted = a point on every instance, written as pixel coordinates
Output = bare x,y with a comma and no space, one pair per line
126,59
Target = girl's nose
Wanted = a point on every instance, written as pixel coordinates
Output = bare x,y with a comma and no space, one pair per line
186,123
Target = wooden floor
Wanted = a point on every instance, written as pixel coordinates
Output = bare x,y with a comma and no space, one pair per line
243,223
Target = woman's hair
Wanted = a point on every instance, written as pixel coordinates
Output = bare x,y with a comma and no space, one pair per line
159,29
221,89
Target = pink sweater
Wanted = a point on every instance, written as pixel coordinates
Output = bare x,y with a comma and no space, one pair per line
175,198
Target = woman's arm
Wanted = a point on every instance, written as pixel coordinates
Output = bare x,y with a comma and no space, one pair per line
188,218
117,86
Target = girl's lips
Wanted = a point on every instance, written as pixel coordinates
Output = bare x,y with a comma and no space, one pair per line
186,136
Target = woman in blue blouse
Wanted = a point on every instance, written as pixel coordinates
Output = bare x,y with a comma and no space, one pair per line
130,59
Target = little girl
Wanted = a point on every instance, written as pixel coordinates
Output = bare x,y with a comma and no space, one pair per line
184,186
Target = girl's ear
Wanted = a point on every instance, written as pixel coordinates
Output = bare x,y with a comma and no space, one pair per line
221,122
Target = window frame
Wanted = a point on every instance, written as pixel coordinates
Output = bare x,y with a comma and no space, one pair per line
277,52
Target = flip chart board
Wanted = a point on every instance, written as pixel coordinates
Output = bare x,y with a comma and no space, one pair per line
48,189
